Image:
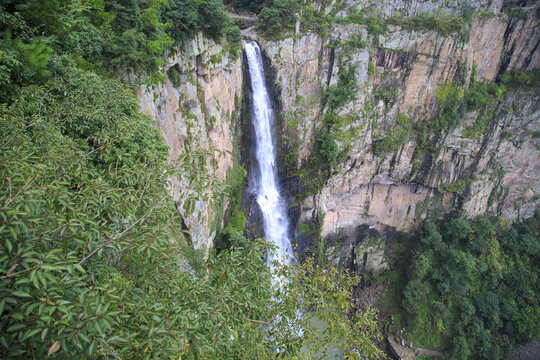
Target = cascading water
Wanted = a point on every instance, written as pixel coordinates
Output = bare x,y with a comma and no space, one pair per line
263,182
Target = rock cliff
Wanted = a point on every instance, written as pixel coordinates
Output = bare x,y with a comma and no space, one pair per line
197,107
486,163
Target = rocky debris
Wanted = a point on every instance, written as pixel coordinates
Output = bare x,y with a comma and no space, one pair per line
403,349
368,295
244,21
528,352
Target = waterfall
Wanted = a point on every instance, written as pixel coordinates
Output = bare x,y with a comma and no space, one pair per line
264,181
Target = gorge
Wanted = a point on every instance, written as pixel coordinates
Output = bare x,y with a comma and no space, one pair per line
365,148
378,130
146,145
394,168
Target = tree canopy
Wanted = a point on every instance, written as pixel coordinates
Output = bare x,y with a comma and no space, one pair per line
99,34
473,287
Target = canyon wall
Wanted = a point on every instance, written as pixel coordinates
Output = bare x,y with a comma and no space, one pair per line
477,167
197,107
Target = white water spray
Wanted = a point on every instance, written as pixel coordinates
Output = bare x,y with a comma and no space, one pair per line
264,183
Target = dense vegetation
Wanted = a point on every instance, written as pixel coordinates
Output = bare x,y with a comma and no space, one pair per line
278,16
242,5
455,100
98,34
93,261
473,287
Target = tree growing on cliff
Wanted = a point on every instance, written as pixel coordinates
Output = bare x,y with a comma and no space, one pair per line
327,147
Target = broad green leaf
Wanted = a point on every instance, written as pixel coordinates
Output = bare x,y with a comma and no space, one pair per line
20,293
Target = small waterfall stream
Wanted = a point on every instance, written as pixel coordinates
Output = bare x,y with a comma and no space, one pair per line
264,181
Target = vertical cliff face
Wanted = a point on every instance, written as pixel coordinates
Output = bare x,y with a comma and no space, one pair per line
487,162
197,108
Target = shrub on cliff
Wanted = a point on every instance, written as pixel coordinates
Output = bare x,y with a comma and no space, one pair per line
338,95
521,78
327,147
444,24
451,108
368,16
401,133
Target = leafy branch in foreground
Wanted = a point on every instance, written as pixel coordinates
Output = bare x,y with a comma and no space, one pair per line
324,311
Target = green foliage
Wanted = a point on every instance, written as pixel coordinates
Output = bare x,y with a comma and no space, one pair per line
86,168
252,5
117,32
451,108
83,39
367,16
481,95
337,95
521,79
232,235
315,19
457,187
174,76
278,16
444,24
327,148
34,55
401,133
234,36
388,93
23,60
471,284
331,118
516,13
212,19
485,15
325,294
238,219
371,68
230,238
93,263
467,12
235,179
354,43
185,17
